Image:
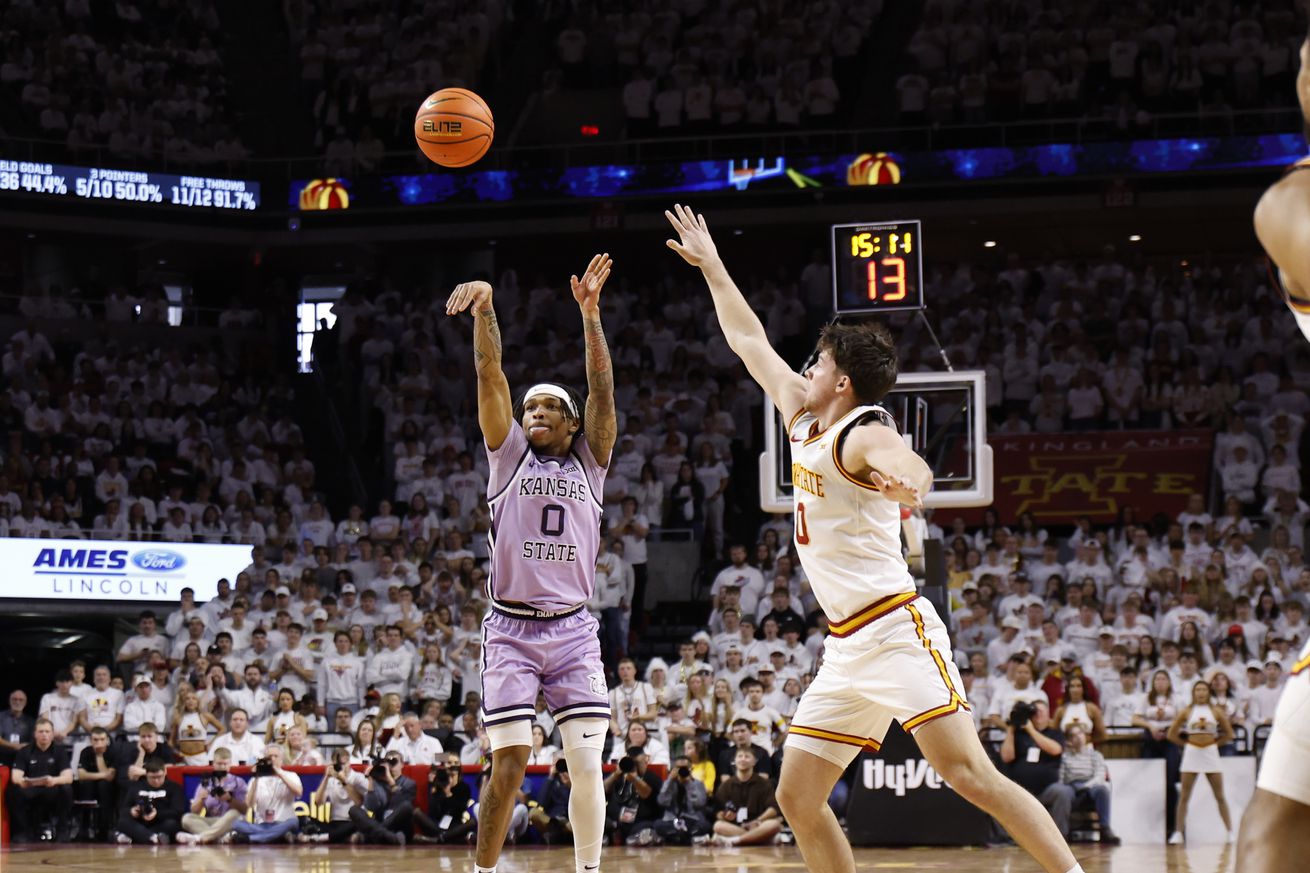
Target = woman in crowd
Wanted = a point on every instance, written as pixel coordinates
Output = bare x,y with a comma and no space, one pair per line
365,747
543,753
192,728
1078,710
284,718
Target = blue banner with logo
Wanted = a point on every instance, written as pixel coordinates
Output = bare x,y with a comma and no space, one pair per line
112,570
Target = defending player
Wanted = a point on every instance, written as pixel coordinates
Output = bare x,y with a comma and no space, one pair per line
548,465
1276,825
887,655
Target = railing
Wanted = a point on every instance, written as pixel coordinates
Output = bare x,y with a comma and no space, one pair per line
720,146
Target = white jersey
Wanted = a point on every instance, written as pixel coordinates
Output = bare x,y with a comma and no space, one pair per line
848,536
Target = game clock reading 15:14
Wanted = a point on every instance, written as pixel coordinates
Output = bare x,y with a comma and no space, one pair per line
877,267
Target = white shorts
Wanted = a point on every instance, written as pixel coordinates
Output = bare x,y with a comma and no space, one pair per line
890,661
1285,768
1200,759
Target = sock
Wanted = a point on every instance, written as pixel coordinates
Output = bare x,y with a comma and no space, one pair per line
586,807
1076,868
477,869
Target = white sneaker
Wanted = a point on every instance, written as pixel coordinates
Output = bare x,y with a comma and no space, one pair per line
1176,838
123,840
185,838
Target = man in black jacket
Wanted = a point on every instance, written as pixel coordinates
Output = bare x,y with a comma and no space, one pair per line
390,798
447,819
1031,753
128,758
741,739
632,794
551,814
152,808
40,793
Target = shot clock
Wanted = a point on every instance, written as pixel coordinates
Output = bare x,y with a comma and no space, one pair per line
877,267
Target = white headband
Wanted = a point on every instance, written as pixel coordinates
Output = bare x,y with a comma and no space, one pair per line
553,391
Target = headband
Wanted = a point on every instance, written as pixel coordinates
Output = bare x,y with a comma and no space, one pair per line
553,391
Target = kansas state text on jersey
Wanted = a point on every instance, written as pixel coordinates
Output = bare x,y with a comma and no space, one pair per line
545,524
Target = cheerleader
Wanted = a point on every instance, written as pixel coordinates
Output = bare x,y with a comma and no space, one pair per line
1207,728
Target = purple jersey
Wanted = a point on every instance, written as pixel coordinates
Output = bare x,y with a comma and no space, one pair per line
545,524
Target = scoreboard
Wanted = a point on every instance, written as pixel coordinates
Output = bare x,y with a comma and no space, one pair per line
877,267
105,185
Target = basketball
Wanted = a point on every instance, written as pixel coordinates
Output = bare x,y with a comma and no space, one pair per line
454,127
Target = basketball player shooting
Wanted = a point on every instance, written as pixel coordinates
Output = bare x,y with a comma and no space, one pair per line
548,457
887,655
1276,825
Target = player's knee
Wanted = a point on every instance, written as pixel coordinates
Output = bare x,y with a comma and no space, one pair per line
974,779
796,801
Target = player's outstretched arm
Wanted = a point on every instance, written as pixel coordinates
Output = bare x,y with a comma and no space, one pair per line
741,327
1282,217
880,456
601,419
495,409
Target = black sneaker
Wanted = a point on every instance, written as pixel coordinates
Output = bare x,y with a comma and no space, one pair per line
1109,838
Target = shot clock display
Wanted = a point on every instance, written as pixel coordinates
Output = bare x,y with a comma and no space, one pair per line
877,267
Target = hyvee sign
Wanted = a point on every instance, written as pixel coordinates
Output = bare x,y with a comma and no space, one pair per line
111,570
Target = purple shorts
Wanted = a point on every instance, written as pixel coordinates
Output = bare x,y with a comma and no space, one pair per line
524,655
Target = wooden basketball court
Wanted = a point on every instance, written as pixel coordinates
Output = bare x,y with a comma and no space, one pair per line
425,859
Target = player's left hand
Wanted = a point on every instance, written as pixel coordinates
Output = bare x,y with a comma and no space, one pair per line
587,289
896,489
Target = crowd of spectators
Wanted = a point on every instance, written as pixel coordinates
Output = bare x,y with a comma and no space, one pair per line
1119,64
135,78
362,86
692,68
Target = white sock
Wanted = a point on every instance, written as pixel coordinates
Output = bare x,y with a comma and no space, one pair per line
586,807
477,869
1076,868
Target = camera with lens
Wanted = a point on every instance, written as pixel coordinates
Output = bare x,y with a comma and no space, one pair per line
627,765
1021,714
378,770
684,772
264,767
147,806
438,776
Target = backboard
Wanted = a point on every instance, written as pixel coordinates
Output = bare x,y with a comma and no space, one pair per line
942,416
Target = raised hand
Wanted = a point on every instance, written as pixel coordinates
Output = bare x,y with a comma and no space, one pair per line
477,294
587,289
896,489
694,241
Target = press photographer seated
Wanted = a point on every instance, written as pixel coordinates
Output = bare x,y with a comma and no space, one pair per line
219,803
631,794
343,789
447,819
272,798
152,807
747,813
390,801
551,814
1031,753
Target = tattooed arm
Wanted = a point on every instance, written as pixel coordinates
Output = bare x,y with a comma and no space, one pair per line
495,409
601,424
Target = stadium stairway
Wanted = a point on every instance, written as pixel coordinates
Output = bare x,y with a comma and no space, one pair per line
337,473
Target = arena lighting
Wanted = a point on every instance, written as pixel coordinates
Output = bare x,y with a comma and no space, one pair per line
990,244
1136,237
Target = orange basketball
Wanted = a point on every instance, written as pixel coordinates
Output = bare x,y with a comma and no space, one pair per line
454,127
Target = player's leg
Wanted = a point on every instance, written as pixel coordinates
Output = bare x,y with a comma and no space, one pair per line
511,667
953,749
803,788
1274,829
1216,781
511,744
831,726
1188,782
574,682
1276,825
584,740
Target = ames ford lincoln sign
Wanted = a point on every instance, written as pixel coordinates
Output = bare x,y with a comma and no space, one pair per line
110,570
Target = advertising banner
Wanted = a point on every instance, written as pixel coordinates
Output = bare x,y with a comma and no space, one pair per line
1059,477
112,570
